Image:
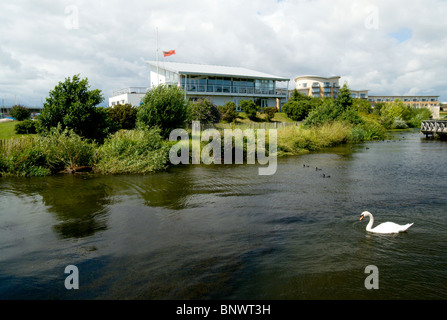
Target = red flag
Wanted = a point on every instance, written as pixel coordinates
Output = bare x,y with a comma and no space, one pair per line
168,53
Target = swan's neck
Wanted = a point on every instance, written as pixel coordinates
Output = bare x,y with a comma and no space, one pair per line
370,223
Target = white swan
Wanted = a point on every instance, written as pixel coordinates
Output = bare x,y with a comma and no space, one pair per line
386,227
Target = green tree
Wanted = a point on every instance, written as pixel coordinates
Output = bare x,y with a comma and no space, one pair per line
269,112
343,101
72,105
123,116
203,110
164,107
250,109
20,113
228,112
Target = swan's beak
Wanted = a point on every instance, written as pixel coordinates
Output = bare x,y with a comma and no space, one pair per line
361,218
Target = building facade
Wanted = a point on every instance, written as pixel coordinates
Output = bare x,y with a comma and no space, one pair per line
412,101
131,95
221,84
316,86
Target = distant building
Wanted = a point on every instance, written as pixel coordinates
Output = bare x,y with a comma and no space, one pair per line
316,86
412,101
221,84
131,95
360,94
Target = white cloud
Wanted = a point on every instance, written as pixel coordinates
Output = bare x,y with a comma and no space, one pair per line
368,43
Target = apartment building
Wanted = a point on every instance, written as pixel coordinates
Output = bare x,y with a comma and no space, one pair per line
316,86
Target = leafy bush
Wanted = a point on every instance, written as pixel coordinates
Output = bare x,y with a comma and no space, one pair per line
20,113
133,151
399,123
72,105
23,157
26,127
327,112
417,115
66,149
123,116
203,110
228,112
269,112
250,109
164,107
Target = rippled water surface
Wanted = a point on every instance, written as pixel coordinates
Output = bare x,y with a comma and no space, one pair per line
223,232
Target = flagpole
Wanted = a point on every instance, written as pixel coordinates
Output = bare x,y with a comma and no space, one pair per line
156,54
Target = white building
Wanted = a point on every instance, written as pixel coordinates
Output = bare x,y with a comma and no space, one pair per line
132,95
316,86
221,84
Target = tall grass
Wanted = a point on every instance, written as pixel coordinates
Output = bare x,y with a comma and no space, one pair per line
295,140
44,155
133,151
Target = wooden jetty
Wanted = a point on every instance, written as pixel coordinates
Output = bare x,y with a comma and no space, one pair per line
434,127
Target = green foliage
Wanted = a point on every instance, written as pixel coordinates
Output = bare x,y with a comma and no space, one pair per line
72,105
228,112
26,127
327,112
250,109
362,105
299,106
269,112
20,113
203,110
344,100
133,151
164,107
397,115
66,149
417,115
123,116
44,155
298,110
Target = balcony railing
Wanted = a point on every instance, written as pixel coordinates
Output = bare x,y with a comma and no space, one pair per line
225,89
138,90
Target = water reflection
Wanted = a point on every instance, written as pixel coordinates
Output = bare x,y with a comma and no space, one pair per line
79,204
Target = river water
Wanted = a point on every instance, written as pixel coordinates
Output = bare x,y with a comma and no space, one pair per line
224,232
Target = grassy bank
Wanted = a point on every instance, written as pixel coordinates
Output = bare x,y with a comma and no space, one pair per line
145,151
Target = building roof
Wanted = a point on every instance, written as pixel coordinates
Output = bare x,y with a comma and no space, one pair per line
212,70
316,77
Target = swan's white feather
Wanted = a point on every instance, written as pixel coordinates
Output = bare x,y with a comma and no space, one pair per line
386,227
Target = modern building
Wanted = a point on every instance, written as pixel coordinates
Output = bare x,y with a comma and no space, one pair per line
221,84
412,101
359,94
316,86
131,95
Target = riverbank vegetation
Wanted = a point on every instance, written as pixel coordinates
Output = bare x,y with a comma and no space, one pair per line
74,135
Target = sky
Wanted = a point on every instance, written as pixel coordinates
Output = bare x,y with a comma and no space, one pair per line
394,47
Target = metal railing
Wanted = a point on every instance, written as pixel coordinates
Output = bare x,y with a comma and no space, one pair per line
225,89
138,90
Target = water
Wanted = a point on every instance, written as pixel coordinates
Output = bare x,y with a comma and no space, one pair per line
223,232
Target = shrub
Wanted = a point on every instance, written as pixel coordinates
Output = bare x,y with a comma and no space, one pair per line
66,149
203,110
417,115
297,110
26,127
399,123
269,112
72,105
250,109
164,107
20,113
228,112
123,116
133,151
327,112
